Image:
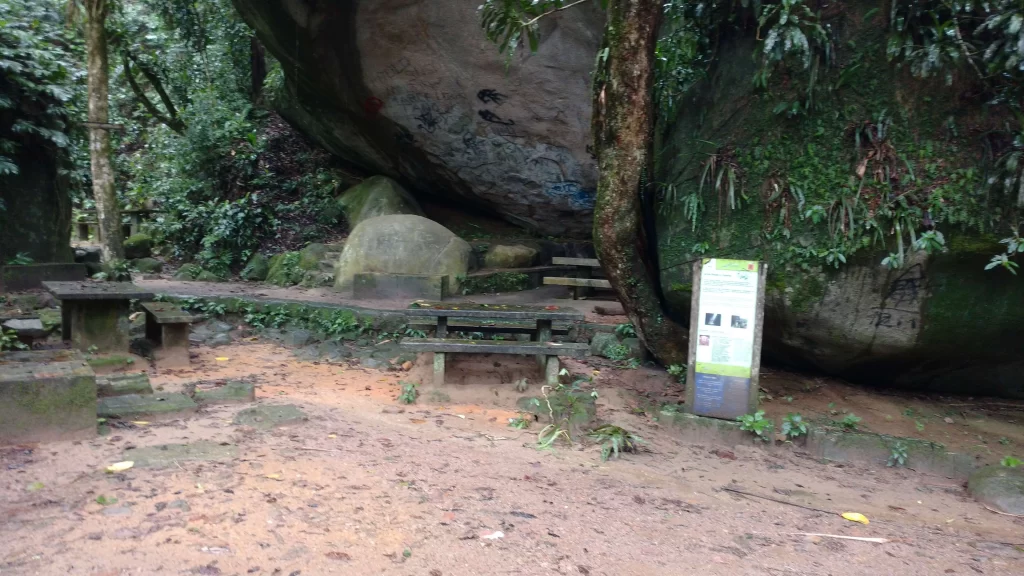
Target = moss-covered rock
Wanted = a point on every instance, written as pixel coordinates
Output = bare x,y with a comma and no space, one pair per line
752,179
207,276
257,269
148,265
376,196
1000,487
402,244
311,255
284,269
138,246
188,272
517,256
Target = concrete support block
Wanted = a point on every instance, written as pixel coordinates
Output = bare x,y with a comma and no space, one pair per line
46,395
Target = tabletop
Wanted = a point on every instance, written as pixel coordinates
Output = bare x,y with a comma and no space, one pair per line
97,291
502,311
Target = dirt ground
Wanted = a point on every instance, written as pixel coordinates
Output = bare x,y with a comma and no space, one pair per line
445,487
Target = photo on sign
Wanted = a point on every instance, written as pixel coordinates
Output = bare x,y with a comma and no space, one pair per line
738,322
705,340
712,319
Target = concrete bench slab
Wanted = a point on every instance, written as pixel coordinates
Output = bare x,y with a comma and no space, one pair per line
270,416
583,282
95,314
165,455
167,326
587,262
46,395
230,393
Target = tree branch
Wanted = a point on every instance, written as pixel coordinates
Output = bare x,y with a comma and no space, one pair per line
550,12
172,122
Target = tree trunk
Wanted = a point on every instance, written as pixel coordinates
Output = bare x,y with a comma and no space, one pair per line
623,125
258,67
107,210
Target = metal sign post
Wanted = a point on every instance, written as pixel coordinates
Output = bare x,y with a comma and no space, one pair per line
726,319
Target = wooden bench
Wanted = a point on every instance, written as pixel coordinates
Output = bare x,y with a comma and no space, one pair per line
583,281
167,326
487,326
549,350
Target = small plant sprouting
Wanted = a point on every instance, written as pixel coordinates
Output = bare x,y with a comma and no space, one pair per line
1010,462
614,440
520,422
632,364
625,331
617,352
850,421
20,259
9,341
793,426
104,501
678,371
756,423
409,393
414,333
898,456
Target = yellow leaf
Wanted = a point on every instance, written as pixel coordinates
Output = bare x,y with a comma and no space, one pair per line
222,359
332,435
120,466
274,476
140,422
855,517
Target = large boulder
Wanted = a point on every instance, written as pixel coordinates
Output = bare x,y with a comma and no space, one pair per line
257,268
138,246
376,196
999,487
797,191
35,205
402,244
517,256
438,108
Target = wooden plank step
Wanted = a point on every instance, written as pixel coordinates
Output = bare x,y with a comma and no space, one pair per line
591,262
571,349
587,282
459,325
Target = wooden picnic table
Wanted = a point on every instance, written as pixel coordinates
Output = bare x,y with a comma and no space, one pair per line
94,315
541,316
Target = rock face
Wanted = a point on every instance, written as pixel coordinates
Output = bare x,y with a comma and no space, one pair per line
939,321
36,215
376,196
1000,487
402,244
413,90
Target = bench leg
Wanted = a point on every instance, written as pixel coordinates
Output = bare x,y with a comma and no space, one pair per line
173,350
438,369
153,332
543,335
551,371
442,327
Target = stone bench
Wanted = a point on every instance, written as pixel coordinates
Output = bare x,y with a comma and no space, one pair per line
440,347
167,326
46,395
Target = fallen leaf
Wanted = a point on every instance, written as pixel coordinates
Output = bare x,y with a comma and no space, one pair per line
120,466
855,517
222,358
274,476
332,435
35,487
494,536
417,421
140,422
338,556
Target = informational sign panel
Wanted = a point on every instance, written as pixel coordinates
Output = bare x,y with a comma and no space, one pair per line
725,337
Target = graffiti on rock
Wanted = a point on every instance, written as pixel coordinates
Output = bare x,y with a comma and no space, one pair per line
489,96
493,118
577,197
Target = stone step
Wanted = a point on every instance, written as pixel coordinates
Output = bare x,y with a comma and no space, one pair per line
123,384
327,266
332,256
230,393
135,405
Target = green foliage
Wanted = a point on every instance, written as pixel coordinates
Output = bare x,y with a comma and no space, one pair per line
410,391
1014,247
36,79
678,371
1010,462
793,426
20,259
508,22
758,424
617,352
105,501
898,455
521,422
9,341
850,421
567,407
414,333
625,331
115,271
614,440
498,282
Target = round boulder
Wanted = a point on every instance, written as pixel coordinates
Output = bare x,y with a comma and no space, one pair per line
376,196
517,256
138,246
999,487
402,244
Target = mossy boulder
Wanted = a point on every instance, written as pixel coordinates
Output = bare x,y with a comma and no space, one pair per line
402,244
999,487
257,269
517,256
284,269
796,191
188,272
148,265
207,276
376,196
138,246
311,255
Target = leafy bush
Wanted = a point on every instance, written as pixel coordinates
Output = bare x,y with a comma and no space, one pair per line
617,352
850,421
1010,462
758,424
9,341
409,393
625,331
898,455
793,426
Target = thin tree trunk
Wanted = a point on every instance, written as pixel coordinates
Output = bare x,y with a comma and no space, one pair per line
107,210
622,125
258,67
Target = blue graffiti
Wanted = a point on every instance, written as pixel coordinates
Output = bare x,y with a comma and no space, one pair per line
572,193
